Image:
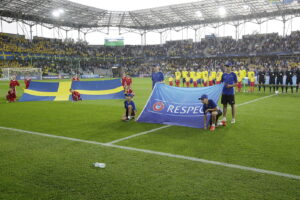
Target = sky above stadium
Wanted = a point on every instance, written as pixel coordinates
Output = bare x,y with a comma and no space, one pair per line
129,5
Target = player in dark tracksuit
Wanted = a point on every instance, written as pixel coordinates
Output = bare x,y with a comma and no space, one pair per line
279,80
261,79
272,76
298,78
289,79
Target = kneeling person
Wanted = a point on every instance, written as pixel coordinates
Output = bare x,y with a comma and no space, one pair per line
130,108
75,95
209,106
11,95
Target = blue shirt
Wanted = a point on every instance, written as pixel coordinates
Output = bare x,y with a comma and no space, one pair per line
129,103
211,104
157,77
228,79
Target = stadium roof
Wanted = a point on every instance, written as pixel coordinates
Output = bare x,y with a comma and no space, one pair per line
187,14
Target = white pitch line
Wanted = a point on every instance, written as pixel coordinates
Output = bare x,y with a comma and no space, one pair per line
258,99
257,170
138,134
156,129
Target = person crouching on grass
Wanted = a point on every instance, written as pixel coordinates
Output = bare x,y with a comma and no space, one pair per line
128,90
209,106
130,109
75,95
11,95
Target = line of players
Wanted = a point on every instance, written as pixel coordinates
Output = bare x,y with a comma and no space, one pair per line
203,78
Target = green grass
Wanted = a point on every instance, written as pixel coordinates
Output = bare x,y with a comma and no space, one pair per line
265,136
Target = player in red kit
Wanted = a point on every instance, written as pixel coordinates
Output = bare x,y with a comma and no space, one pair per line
11,95
124,80
128,81
13,84
75,95
27,82
75,78
128,90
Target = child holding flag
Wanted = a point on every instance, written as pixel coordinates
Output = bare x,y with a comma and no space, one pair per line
11,95
130,109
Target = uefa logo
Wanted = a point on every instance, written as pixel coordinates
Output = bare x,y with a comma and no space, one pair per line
158,106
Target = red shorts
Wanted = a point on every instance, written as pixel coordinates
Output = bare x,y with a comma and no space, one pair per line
195,84
177,83
218,82
205,84
251,84
171,83
187,84
211,83
239,84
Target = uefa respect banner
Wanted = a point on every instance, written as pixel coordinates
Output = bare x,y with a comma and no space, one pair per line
178,106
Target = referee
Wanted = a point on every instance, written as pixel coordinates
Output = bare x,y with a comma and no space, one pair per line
289,79
157,76
261,78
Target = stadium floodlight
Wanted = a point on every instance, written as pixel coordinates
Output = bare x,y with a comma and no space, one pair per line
58,12
198,14
246,7
222,12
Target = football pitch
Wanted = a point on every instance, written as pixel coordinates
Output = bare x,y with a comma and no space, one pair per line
47,151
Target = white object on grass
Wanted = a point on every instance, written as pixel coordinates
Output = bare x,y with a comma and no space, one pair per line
100,165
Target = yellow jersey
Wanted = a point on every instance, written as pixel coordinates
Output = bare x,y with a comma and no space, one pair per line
214,74
192,74
251,76
205,74
219,76
171,79
177,75
187,79
184,74
239,78
243,73
199,75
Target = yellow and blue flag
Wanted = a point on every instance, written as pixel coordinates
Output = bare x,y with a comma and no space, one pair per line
60,91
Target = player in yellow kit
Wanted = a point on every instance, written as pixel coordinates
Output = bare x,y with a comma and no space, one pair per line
184,74
243,72
219,77
193,77
188,79
205,77
199,77
251,76
210,79
214,75
239,81
171,81
177,78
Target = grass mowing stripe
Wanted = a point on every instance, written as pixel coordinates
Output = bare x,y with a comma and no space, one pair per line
262,171
138,134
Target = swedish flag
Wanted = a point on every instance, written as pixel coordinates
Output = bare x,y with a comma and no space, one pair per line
59,91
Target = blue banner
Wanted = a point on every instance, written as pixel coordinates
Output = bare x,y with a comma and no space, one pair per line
178,106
